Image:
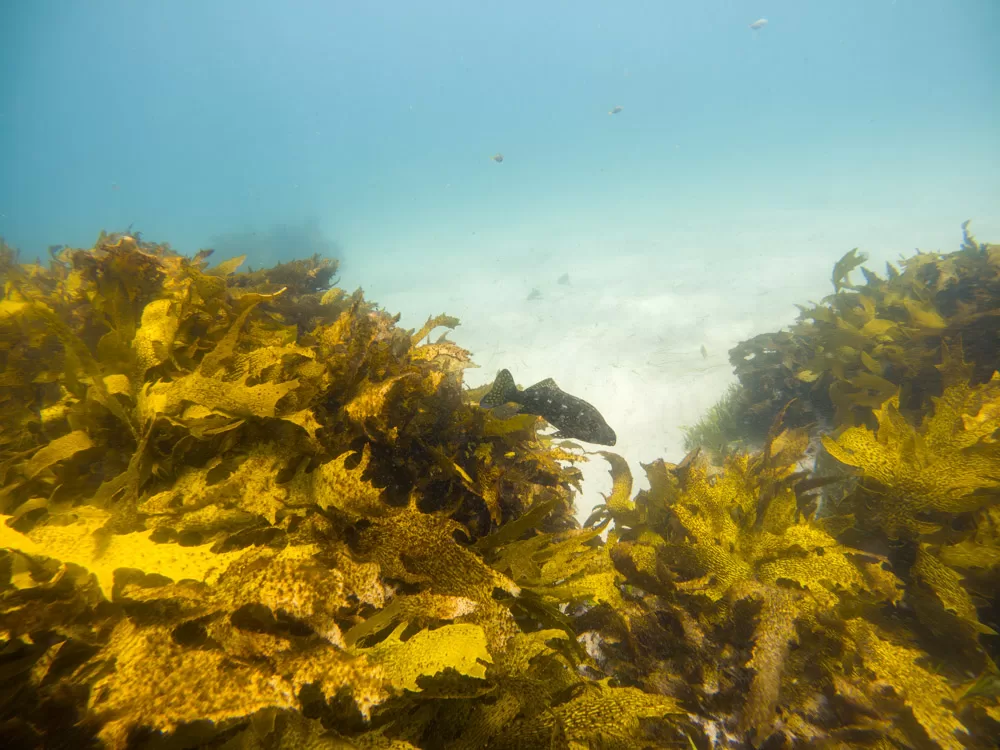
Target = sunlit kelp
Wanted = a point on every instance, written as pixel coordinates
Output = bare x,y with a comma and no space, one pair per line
727,577
245,508
931,493
898,379
743,603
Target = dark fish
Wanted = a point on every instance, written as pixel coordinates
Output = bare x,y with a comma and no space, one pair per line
615,110
574,417
498,158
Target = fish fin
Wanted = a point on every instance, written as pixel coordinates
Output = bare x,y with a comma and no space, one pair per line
503,391
547,383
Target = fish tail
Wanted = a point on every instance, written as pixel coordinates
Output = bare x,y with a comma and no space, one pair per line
503,390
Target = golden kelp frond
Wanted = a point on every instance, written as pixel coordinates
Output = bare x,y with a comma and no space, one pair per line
572,571
975,557
925,695
524,679
914,475
514,470
72,539
941,599
161,684
619,503
419,550
743,525
309,300
849,354
333,485
775,633
842,269
421,609
151,674
596,715
417,547
462,648
224,495
447,321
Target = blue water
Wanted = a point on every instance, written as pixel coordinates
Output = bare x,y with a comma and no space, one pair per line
373,124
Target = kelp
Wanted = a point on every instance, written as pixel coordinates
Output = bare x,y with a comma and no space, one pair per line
850,353
728,575
785,627
947,467
246,509
895,382
927,494
243,509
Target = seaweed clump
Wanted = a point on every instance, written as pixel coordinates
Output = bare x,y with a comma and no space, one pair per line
247,509
784,624
864,575
850,353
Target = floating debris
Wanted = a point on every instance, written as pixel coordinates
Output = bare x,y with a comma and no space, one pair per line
574,417
759,24
704,352
535,294
564,279
498,158
618,108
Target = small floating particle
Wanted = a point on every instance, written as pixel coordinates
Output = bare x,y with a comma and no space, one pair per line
704,352
618,108
498,158
759,24
535,294
564,279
